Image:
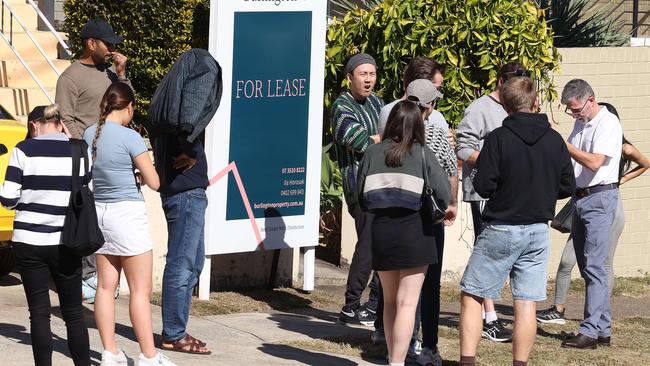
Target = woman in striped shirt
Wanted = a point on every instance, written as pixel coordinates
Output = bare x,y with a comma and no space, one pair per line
37,186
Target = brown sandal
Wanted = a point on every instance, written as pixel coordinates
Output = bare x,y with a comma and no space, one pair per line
200,342
187,344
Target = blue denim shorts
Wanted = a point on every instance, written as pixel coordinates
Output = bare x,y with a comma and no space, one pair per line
502,250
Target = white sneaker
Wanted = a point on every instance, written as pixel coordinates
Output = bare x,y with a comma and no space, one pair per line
111,359
158,360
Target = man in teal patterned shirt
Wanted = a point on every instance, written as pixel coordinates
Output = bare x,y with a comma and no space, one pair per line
355,114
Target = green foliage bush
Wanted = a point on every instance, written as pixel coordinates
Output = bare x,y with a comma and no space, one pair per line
155,33
471,38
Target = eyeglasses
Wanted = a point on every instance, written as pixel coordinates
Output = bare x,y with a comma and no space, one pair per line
573,113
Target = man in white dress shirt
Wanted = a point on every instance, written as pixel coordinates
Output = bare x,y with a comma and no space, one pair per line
595,148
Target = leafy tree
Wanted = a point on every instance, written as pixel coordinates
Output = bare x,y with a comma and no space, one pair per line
341,7
155,33
472,39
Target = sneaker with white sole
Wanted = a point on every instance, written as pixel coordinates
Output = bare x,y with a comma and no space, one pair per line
429,357
348,315
551,316
158,360
497,332
366,315
416,346
111,359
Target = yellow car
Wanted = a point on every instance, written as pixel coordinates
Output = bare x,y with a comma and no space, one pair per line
11,133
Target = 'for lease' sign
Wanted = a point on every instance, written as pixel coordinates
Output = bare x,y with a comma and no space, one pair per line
264,143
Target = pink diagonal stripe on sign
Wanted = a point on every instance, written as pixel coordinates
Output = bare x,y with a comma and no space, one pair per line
242,191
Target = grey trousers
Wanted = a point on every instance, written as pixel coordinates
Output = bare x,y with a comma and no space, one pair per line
568,260
593,217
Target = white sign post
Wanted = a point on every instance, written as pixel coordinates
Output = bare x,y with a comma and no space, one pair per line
264,143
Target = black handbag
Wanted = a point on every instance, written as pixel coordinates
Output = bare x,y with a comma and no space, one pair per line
562,221
431,206
81,233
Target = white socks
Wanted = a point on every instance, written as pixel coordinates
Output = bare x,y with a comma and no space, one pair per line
396,364
490,316
145,358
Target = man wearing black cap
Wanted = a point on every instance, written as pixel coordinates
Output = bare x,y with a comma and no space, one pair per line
355,114
81,86
79,91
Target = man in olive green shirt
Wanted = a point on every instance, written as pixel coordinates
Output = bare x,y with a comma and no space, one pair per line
81,86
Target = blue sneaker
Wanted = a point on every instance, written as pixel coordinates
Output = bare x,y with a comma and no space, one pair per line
88,289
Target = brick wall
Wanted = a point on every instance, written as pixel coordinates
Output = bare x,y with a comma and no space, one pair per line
620,76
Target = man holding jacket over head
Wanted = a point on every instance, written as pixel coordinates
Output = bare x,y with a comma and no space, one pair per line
182,107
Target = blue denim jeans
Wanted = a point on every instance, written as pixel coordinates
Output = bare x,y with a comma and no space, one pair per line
185,214
518,251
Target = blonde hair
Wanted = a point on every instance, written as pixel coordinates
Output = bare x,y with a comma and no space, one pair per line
52,112
50,115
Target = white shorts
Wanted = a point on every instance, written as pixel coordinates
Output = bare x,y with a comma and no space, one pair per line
125,228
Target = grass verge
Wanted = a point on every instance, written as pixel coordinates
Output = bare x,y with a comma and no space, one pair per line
631,339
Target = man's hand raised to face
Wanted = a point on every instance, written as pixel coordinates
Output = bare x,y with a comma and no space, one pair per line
119,61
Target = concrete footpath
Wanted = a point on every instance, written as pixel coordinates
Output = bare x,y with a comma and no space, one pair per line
237,339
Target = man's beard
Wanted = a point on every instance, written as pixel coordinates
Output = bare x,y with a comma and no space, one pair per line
101,60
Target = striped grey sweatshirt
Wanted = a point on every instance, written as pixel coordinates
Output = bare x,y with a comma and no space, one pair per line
381,186
37,186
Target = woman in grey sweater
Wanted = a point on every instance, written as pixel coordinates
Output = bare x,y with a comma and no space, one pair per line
391,180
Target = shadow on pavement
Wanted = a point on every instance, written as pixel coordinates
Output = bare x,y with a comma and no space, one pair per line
12,279
125,331
22,336
290,303
303,356
355,337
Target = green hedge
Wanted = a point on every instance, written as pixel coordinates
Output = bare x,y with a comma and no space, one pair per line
156,32
471,38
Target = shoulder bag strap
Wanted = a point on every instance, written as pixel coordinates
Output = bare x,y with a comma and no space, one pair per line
425,175
83,146
75,147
